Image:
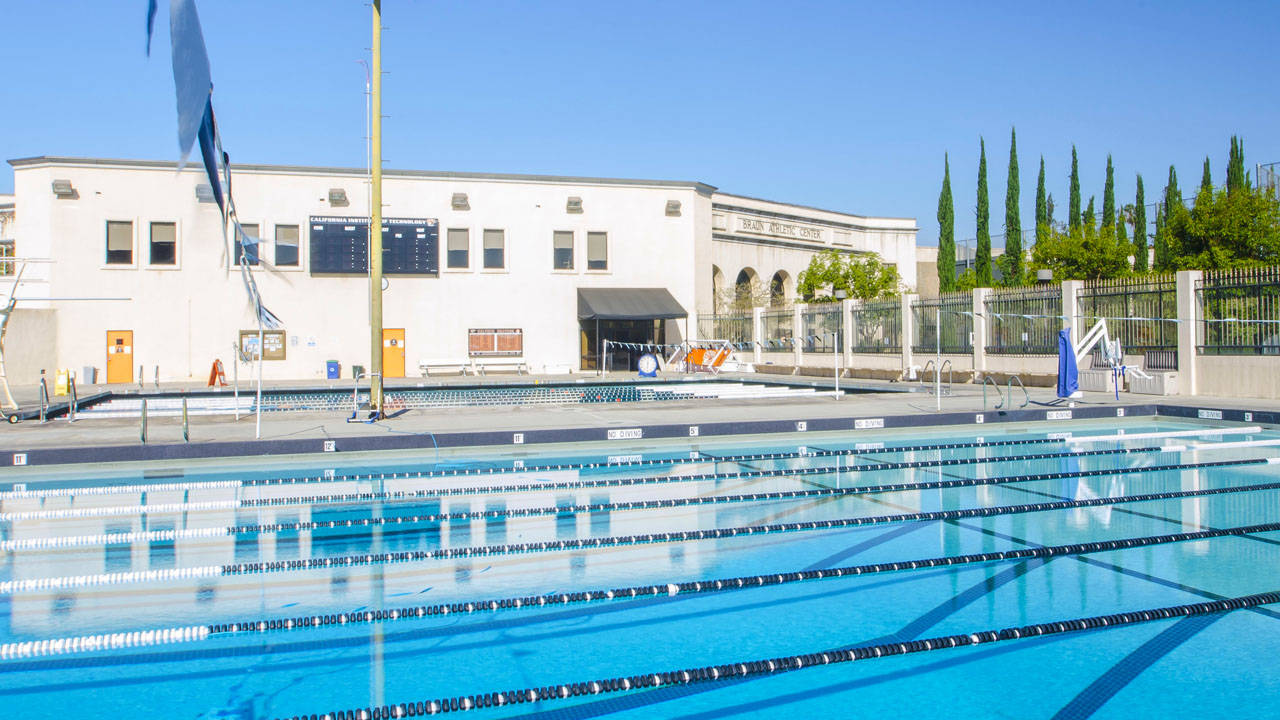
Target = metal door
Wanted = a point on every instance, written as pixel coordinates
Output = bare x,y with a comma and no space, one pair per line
393,352
119,356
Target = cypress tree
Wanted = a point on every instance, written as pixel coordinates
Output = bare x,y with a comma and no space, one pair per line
1090,219
1012,218
946,232
1171,194
1206,180
1042,205
1161,249
982,258
1140,230
1109,198
1236,177
1073,200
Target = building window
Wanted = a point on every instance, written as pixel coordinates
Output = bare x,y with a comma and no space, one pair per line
119,242
286,245
495,244
255,251
562,250
6,251
459,248
597,251
164,243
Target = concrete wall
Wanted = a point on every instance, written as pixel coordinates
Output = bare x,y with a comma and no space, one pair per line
31,344
1254,376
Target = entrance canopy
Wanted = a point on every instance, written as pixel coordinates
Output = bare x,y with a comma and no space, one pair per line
628,304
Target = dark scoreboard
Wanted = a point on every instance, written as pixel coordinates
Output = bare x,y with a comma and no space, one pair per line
340,246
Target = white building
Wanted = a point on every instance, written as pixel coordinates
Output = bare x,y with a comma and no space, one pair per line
512,253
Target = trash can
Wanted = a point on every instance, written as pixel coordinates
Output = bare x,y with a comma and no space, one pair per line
332,370
89,376
357,371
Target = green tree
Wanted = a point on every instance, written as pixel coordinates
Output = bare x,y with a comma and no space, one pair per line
1082,254
1012,259
1172,195
1237,179
946,232
1140,230
1109,197
982,257
1169,224
1206,179
1090,218
1073,200
1162,259
1226,229
1042,204
864,278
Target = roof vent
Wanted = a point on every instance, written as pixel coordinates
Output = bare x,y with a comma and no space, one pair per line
64,189
574,206
460,202
338,197
673,208
204,193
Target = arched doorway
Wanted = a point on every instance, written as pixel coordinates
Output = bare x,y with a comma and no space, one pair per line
746,289
780,288
717,289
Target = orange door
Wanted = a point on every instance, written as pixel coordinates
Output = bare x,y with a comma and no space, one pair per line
392,352
119,356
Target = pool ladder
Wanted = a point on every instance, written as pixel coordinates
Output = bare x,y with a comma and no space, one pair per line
937,370
1004,396
355,397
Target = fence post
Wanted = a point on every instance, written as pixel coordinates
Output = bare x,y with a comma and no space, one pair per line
1189,316
981,331
797,334
1071,309
846,324
908,331
757,333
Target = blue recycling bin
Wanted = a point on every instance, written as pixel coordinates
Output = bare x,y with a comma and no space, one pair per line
332,371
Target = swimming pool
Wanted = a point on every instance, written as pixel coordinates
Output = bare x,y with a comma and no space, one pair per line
1040,570
435,398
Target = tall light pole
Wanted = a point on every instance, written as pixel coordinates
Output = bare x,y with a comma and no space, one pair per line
375,219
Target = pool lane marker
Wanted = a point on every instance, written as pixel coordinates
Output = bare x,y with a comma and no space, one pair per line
787,663
210,505
250,626
387,558
69,541
866,448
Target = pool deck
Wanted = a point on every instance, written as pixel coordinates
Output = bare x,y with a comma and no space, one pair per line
115,439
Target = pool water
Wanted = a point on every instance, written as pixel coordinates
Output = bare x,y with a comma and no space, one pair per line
660,580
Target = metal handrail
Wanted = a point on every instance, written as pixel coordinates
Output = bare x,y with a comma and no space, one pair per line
924,371
946,365
985,380
937,370
355,394
75,398
1025,395
44,398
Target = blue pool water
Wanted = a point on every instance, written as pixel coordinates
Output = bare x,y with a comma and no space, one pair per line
282,589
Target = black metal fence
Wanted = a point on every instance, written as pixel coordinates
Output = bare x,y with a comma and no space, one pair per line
734,327
821,328
778,327
1024,322
955,310
877,326
1241,312
1140,313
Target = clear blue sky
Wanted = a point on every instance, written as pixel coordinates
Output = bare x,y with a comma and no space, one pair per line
842,105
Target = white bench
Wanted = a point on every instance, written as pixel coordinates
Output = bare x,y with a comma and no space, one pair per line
484,365
462,367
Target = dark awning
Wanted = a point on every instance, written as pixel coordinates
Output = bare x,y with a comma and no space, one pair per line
628,304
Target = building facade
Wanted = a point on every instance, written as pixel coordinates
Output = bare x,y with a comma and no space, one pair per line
142,276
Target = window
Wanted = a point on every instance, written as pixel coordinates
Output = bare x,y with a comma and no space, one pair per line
459,248
287,246
164,243
562,250
495,243
597,251
119,242
250,229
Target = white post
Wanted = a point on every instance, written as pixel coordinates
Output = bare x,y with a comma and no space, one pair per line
235,375
257,428
907,322
1071,310
797,333
757,331
937,367
981,332
1189,315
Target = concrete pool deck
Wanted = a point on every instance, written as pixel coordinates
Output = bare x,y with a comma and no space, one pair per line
305,432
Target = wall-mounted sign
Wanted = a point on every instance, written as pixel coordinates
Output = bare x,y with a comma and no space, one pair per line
340,246
273,340
495,342
762,226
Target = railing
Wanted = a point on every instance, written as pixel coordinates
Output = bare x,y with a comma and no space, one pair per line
1150,302
1241,312
1024,322
877,326
778,327
821,328
955,310
734,327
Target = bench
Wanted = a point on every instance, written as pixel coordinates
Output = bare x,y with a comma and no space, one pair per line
508,363
461,367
